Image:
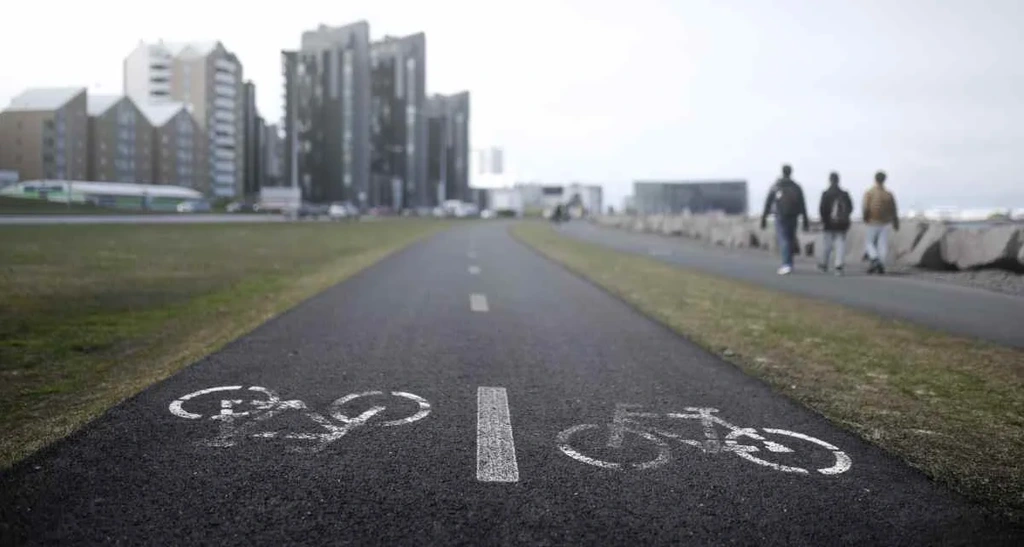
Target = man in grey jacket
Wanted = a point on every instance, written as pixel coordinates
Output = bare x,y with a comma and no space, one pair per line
836,209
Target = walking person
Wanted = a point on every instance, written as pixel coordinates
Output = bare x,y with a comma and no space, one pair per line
788,199
879,213
835,209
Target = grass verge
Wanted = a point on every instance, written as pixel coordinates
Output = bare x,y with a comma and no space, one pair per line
90,315
949,406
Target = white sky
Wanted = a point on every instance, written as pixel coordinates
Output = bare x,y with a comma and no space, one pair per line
607,92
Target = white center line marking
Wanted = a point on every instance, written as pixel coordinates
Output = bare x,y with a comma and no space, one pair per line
474,270
495,450
478,302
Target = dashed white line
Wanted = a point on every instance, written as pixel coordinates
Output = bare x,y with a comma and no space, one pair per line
495,450
474,270
478,302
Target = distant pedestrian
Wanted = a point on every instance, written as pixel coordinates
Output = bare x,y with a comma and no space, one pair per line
879,213
835,208
788,200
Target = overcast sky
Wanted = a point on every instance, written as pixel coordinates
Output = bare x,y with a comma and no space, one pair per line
609,92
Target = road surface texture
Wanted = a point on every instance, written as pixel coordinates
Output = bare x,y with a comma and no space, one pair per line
184,218
960,310
486,357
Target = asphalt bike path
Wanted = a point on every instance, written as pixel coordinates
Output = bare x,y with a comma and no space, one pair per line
467,391
959,310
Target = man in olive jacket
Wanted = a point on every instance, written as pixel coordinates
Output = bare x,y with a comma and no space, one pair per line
879,213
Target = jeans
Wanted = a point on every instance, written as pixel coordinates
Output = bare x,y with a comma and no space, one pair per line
830,239
876,242
785,234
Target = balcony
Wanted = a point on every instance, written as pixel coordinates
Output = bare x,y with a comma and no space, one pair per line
223,154
225,90
223,102
225,78
224,65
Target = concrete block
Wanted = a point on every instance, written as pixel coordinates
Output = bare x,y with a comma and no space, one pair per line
926,250
996,246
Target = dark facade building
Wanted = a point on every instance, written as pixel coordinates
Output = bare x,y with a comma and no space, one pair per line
398,124
273,156
448,147
253,128
327,114
672,197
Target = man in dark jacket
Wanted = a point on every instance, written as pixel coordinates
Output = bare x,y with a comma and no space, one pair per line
788,199
836,209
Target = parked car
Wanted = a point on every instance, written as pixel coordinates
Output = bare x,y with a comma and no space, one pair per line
243,207
341,211
311,210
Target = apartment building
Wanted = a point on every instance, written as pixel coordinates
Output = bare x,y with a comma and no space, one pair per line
208,78
43,134
178,146
120,141
327,114
398,124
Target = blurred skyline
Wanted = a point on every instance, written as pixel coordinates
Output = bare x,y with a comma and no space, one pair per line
603,93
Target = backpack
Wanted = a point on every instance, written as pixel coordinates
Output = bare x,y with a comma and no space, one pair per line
787,199
841,209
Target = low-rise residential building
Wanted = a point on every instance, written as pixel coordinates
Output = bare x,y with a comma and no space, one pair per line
120,141
43,134
179,146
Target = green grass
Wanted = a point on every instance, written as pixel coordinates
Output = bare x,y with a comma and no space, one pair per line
950,406
90,315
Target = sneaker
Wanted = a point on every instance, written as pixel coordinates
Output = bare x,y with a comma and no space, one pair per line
839,271
822,268
880,269
785,270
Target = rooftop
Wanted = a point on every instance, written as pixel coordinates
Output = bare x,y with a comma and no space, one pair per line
109,188
97,105
44,98
191,49
159,114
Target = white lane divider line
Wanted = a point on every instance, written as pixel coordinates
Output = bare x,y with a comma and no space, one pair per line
474,270
495,450
478,303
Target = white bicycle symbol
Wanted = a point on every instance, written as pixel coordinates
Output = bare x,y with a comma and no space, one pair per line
625,425
239,416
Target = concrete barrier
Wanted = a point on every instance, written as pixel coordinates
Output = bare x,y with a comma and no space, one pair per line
918,244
